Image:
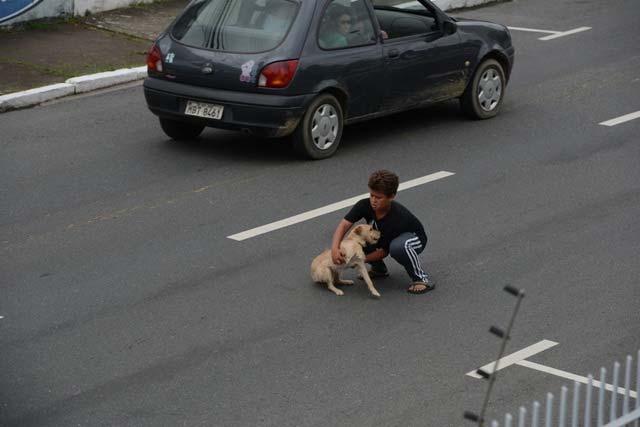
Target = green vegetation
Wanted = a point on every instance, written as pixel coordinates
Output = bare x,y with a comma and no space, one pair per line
66,71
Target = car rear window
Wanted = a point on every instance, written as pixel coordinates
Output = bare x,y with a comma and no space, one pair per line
242,26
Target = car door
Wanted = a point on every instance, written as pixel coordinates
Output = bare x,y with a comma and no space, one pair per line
422,62
345,53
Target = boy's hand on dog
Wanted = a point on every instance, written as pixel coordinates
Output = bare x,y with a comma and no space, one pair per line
337,256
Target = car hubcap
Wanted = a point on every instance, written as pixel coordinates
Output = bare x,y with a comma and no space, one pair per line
489,90
325,126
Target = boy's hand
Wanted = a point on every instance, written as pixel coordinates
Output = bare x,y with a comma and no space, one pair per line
337,256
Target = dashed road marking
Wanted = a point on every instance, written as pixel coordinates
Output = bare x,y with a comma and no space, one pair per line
553,34
305,216
519,358
622,119
532,30
565,33
570,376
514,358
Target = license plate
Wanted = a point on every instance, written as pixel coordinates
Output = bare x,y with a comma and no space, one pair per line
201,109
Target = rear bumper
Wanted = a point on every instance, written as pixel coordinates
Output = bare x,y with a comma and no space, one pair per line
262,114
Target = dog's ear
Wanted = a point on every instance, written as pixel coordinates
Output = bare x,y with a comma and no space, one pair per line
359,230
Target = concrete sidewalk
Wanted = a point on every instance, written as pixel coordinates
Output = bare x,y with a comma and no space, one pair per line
42,53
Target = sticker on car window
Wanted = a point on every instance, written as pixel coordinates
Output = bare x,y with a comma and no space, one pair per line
248,74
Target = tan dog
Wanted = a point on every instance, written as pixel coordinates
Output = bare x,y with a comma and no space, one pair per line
323,270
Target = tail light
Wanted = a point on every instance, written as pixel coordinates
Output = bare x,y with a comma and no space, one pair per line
278,75
154,59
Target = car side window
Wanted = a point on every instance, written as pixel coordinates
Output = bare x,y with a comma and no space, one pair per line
346,23
401,18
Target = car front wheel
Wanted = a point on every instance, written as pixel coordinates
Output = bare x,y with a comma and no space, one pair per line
483,97
180,131
318,133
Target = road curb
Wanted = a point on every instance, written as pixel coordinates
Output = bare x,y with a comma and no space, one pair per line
35,96
451,5
75,85
109,78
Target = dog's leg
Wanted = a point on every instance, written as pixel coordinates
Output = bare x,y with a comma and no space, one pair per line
331,287
338,281
365,275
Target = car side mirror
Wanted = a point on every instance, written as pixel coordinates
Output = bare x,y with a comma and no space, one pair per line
449,27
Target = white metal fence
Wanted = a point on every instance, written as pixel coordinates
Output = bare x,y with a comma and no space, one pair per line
581,409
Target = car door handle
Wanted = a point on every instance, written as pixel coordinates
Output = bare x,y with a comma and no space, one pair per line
393,53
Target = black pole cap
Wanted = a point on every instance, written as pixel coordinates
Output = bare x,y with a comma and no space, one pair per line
471,416
497,331
484,374
514,291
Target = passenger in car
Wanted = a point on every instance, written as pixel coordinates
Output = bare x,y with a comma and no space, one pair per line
338,27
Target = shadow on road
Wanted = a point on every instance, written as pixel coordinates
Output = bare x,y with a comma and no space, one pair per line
370,135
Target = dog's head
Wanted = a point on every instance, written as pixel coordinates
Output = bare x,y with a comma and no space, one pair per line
365,233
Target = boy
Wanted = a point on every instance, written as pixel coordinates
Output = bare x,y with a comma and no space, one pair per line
402,234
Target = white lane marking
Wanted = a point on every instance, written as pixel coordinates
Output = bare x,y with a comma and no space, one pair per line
553,34
533,30
565,33
514,358
570,376
622,119
305,216
1,317
631,416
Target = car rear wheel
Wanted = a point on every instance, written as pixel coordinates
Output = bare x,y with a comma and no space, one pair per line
319,132
483,97
180,131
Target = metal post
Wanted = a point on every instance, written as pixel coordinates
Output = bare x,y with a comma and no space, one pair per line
549,408
507,420
614,395
637,423
627,386
519,294
521,416
603,377
563,407
587,407
576,395
534,415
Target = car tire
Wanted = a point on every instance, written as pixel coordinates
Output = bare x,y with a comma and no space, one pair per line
483,97
180,131
319,132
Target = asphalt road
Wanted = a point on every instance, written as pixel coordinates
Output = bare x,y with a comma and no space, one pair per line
124,303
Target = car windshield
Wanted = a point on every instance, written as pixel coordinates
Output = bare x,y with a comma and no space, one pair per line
242,26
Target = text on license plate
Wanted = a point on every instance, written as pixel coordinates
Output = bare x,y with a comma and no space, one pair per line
201,109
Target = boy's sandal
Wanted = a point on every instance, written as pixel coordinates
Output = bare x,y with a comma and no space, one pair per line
427,287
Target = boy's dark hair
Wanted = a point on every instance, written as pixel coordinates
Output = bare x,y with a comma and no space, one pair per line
384,181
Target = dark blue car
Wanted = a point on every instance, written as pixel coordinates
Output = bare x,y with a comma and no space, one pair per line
306,68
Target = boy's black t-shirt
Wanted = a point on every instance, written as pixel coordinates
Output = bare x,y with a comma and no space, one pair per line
397,221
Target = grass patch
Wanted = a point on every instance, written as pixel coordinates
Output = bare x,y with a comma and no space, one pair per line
45,24
67,71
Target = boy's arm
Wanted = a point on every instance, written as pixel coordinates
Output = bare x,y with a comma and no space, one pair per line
376,255
336,255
